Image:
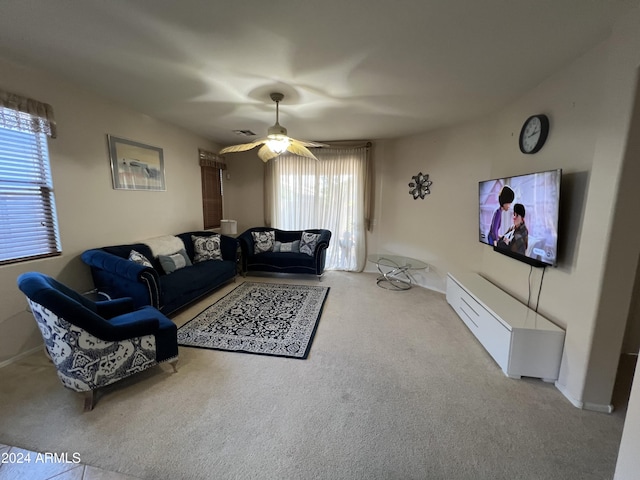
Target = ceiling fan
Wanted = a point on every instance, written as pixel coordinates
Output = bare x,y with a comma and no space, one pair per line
276,141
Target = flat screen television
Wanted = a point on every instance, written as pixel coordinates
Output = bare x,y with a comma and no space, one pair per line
519,216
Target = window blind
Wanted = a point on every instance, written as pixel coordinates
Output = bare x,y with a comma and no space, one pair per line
211,167
28,225
211,196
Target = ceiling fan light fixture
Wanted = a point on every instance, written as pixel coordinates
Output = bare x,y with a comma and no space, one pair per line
278,143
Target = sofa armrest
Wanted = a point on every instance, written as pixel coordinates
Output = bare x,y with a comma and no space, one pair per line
323,241
320,253
119,277
245,241
229,248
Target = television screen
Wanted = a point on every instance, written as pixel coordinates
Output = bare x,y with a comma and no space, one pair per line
519,216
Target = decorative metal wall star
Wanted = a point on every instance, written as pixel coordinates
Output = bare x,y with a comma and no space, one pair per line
420,186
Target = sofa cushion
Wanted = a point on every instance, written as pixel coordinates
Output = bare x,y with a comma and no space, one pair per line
140,259
195,280
308,243
206,248
282,262
176,261
263,241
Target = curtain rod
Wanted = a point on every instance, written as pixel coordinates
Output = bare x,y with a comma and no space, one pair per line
349,143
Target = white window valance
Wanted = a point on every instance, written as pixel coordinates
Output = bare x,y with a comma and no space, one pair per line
26,114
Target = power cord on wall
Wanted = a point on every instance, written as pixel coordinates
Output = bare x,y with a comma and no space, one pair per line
529,297
544,269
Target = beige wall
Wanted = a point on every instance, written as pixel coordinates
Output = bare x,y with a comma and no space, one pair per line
90,212
626,208
628,463
244,190
441,228
631,344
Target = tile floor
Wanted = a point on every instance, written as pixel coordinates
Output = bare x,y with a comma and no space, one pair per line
19,464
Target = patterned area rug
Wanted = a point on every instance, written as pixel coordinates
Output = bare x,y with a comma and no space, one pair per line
265,318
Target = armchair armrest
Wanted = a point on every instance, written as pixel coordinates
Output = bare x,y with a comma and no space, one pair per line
112,308
131,325
122,327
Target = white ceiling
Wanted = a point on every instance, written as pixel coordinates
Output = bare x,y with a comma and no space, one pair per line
350,69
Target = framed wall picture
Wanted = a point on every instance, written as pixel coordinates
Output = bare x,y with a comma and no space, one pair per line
135,166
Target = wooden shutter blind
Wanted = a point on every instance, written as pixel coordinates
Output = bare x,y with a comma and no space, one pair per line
211,167
211,197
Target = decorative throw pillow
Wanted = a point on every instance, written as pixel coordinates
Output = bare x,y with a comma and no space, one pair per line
293,247
140,259
176,261
263,241
206,248
308,243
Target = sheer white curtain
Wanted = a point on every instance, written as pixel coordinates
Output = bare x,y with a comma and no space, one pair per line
328,193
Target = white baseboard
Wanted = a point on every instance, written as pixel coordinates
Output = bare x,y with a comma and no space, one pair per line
594,407
18,357
598,407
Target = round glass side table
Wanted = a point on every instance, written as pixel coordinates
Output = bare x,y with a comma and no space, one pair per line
394,270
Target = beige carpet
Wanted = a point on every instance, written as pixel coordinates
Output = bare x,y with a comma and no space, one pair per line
395,387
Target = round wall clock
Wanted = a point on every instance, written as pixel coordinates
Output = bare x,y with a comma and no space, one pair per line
534,133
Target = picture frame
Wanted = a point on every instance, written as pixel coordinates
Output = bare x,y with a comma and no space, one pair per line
135,165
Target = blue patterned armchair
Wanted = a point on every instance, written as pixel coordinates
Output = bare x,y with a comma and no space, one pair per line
94,344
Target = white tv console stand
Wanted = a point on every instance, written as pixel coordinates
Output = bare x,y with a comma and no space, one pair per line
523,343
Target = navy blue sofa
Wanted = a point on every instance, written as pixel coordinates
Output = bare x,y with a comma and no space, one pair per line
116,276
284,262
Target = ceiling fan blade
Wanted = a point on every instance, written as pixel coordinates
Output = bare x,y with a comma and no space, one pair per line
305,143
266,154
242,147
296,148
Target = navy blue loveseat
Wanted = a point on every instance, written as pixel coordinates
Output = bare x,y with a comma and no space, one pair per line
116,276
280,261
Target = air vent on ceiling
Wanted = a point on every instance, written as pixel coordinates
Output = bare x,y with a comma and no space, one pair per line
244,133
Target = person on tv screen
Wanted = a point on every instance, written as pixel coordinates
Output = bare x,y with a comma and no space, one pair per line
516,238
505,198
